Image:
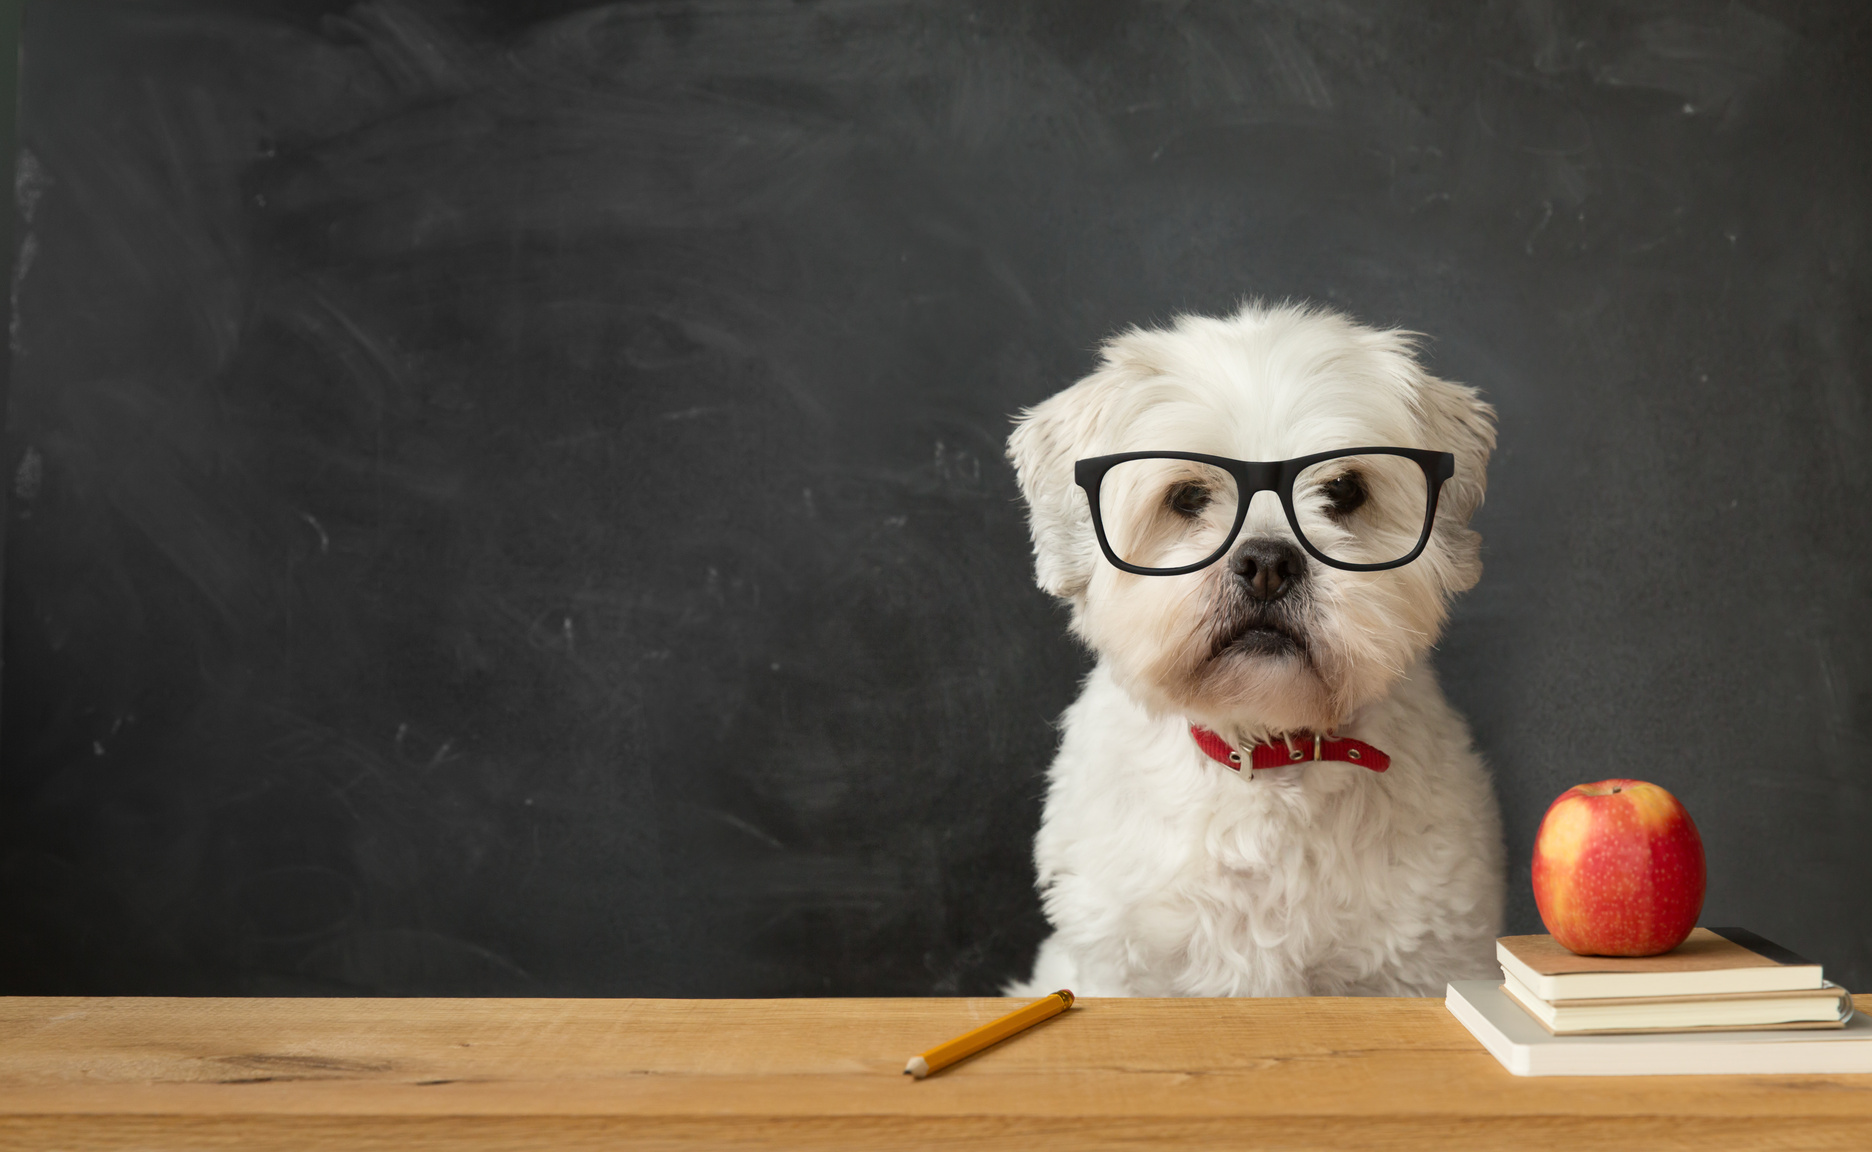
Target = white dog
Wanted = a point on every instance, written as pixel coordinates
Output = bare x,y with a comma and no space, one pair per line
1214,822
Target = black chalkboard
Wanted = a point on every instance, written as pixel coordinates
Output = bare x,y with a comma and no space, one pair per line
508,498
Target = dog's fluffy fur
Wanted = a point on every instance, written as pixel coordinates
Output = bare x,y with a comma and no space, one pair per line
1163,872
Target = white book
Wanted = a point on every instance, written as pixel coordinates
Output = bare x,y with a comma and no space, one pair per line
1827,1006
1526,1049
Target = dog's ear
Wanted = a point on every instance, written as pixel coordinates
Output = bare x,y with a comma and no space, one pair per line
1457,420
1047,439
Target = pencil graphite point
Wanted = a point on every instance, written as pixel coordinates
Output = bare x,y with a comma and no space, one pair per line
917,1067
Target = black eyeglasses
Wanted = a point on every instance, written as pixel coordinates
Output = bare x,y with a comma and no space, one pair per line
1360,509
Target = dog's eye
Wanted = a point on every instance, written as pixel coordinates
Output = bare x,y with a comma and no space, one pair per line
1344,493
1188,499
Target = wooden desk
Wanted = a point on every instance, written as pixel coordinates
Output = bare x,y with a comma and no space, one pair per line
564,1075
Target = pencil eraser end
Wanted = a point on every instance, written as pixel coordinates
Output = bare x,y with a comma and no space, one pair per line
917,1067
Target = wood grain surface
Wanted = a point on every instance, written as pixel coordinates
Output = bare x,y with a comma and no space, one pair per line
101,1073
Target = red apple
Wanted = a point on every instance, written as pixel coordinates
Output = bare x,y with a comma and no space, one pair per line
1618,869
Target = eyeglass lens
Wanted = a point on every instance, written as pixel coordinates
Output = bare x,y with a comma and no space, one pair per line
1165,513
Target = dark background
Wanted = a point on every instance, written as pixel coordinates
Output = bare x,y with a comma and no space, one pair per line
508,498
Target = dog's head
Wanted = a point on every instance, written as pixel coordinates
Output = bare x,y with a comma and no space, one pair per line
1267,639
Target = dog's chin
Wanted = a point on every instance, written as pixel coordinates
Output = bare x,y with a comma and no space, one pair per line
1261,641
1259,674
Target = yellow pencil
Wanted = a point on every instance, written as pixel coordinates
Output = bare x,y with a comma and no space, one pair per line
993,1032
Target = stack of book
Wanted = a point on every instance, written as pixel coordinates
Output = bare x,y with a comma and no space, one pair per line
1725,1000
1719,978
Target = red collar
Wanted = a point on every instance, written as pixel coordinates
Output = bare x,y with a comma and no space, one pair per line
1296,747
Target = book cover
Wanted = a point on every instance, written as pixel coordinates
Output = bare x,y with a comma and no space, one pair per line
1526,1049
1711,961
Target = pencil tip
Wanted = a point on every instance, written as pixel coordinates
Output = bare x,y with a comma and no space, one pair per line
918,1067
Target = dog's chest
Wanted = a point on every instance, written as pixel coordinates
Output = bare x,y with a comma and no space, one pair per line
1273,887
1165,873
1275,849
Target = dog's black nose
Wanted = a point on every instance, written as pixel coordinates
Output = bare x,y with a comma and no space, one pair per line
1268,567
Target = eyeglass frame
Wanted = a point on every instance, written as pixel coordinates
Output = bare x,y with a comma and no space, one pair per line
1253,477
